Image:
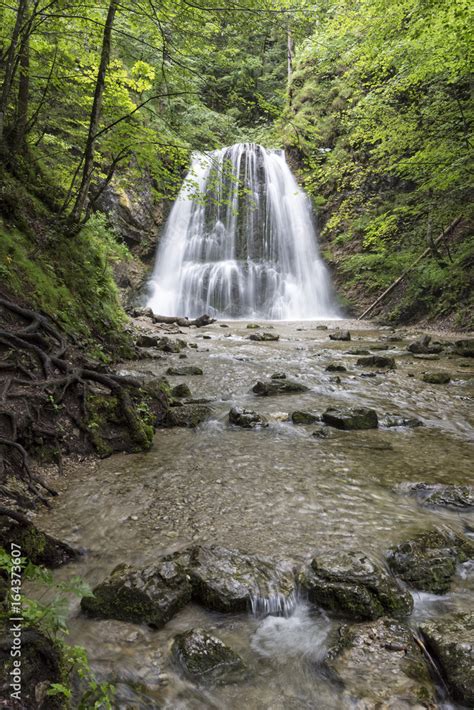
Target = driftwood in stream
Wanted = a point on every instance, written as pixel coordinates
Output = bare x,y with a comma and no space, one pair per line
444,234
185,322
50,399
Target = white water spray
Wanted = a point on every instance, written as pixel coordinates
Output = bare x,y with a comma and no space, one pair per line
247,248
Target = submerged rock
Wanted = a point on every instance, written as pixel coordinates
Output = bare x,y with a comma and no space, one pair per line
299,417
450,640
428,561
206,659
394,420
438,495
276,387
358,351
358,418
151,596
187,415
387,363
324,432
436,378
464,347
227,580
340,335
264,337
247,418
381,666
350,584
335,367
184,371
278,376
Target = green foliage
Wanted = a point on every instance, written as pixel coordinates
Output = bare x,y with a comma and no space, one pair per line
51,619
381,118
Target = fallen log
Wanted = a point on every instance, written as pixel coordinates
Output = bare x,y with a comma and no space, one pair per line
185,322
444,234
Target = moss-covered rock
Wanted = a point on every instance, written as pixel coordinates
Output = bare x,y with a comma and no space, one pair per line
358,418
450,640
464,347
380,666
335,367
188,415
343,335
278,386
181,390
423,346
228,580
382,361
206,659
247,418
428,560
151,596
436,378
264,337
351,585
300,417
39,547
184,371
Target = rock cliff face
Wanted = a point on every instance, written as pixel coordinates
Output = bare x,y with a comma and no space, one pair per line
136,214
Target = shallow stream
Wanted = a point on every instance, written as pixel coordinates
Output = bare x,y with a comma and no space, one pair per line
277,491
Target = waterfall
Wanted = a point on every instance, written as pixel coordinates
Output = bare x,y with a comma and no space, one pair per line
240,242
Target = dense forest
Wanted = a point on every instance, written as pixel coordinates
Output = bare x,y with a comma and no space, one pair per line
102,107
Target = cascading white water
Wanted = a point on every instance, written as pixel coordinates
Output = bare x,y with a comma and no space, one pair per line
240,243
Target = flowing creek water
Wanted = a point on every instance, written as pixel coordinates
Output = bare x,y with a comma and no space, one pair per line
277,491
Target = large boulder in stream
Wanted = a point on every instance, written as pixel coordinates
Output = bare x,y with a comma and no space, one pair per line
39,547
277,387
184,371
381,666
436,378
424,346
150,596
206,660
229,580
351,585
450,640
247,418
300,417
464,347
428,560
439,495
358,418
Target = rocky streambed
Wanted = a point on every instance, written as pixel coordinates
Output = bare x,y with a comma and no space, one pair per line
300,534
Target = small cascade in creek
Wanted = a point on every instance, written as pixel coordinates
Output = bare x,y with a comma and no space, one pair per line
240,243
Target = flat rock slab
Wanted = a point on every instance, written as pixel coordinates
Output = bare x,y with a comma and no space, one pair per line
351,585
450,640
359,418
206,659
151,596
229,580
381,667
247,418
278,386
184,371
438,495
428,561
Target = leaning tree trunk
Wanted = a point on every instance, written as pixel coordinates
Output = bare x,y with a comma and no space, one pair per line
21,117
95,116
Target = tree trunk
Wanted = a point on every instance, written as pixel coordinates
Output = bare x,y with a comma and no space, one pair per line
19,129
10,65
291,47
96,113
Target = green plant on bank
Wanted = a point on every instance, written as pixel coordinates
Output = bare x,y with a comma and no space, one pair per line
50,618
